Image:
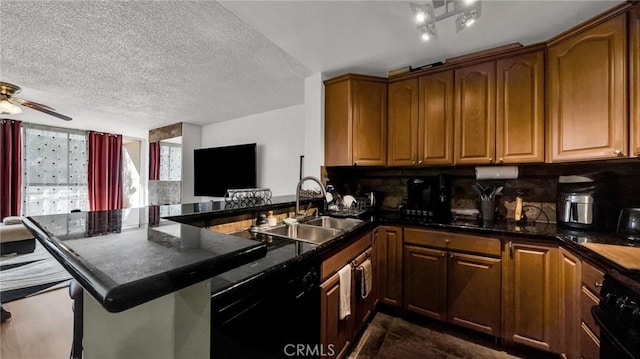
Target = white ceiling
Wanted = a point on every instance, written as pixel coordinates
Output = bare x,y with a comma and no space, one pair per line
128,67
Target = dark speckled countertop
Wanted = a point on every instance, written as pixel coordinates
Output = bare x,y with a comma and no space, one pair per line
128,257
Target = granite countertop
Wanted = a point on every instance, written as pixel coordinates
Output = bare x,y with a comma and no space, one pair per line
128,257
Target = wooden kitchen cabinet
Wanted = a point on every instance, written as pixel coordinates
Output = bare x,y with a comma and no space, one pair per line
335,332
356,121
475,103
403,123
570,274
388,240
531,295
425,281
520,109
587,93
634,80
474,292
421,121
435,119
592,278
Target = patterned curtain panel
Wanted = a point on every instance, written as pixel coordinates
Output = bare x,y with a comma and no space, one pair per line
54,170
105,171
10,168
154,161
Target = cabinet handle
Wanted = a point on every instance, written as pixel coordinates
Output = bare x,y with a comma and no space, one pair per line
598,284
501,160
510,249
419,162
355,163
490,159
618,153
413,162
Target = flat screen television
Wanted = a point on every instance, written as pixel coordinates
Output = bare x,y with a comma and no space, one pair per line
218,169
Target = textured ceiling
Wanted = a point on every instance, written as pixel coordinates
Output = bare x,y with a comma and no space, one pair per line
121,65
132,66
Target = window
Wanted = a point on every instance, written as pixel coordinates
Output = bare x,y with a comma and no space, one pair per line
55,170
170,161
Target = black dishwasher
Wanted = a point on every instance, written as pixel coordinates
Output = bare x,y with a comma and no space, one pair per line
271,317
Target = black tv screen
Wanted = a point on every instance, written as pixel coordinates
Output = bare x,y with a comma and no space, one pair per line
218,169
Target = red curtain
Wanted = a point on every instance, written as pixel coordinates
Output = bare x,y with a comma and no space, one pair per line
105,171
154,161
10,168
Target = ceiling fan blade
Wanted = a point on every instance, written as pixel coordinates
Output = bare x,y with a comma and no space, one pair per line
42,108
24,103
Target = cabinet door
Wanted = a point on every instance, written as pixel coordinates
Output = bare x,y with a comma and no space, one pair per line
389,258
338,124
520,109
587,99
335,334
531,305
425,281
570,317
363,307
435,125
474,292
403,123
369,123
589,344
634,80
475,94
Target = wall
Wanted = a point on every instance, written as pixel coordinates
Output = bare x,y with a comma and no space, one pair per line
280,136
314,125
191,139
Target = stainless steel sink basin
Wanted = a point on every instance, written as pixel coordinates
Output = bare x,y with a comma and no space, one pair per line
342,224
303,232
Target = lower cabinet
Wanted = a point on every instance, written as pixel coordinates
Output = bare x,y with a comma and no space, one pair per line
474,292
336,335
570,273
448,284
389,259
591,283
425,281
531,303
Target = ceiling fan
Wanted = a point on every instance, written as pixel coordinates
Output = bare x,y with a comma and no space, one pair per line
8,102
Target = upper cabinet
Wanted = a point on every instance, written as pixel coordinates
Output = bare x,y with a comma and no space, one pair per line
634,80
475,95
499,111
356,121
421,121
587,93
520,109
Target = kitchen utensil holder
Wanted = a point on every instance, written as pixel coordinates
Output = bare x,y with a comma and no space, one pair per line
487,210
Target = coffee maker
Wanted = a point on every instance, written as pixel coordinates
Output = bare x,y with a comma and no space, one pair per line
586,202
429,197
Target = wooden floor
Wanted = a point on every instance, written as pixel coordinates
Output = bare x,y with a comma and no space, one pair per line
40,327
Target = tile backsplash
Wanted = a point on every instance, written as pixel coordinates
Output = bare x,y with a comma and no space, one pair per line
536,184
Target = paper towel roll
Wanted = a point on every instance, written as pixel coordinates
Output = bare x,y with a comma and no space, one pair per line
497,172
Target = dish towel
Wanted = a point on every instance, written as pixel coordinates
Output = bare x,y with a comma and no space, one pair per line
366,279
345,291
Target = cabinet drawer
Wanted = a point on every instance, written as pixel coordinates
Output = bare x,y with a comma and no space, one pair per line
589,344
474,244
588,300
333,263
425,237
592,277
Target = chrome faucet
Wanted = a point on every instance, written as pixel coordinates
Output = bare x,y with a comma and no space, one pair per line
299,188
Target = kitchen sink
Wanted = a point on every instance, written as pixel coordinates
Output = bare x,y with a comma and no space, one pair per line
303,232
342,224
316,230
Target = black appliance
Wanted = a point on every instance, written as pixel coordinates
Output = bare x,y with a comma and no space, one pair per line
429,197
586,202
618,316
270,317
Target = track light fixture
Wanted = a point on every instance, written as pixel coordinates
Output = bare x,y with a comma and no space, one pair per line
426,15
